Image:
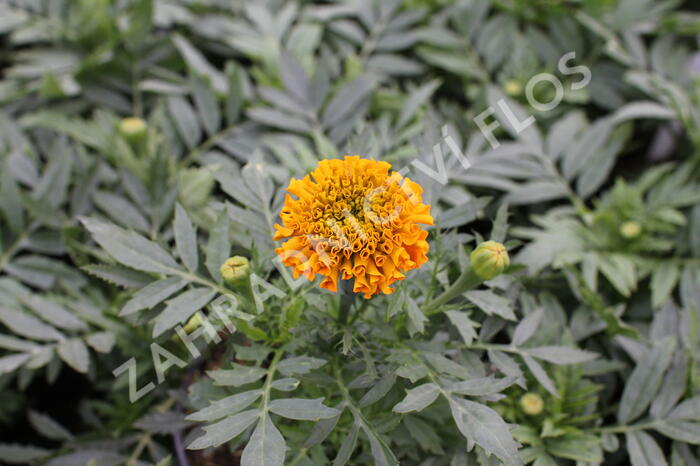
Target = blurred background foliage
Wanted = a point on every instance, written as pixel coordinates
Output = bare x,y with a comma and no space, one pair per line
599,201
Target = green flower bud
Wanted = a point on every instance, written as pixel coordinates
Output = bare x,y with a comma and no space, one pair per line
194,323
235,270
133,129
532,404
489,259
630,229
191,325
353,66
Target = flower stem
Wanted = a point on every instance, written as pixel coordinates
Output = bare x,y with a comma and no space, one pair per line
347,298
467,281
627,428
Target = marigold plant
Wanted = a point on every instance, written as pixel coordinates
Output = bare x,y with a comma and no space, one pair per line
353,219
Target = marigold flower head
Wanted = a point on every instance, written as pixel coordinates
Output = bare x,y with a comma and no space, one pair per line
353,219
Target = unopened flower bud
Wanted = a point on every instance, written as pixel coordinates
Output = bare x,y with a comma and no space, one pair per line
630,229
235,270
489,259
194,323
532,404
132,129
513,88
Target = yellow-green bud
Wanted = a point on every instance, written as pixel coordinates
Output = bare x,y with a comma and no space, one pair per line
532,404
191,325
513,88
235,270
489,259
194,323
630,229
132,128
353,66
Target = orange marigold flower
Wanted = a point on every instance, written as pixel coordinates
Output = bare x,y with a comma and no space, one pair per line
352,219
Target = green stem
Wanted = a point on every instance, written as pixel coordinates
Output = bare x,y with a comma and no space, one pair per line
348,400
434,377
359,312
268,381
195,153
467,281
574,198
137,102
347,298
300,455
489,347
624,429
133,459
146,438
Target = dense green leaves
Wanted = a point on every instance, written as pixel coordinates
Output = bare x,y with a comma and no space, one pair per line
645,380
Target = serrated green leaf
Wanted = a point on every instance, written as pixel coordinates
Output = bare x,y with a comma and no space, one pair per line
299,365
185,239
74,353
48,427
480,387
663,281
419,398
378,391
102,342
226,406
22,454
464,324
491,303
181,308
185,120
28,326
207,105
13,362
130,248
119,275
153,294
302,409
240,375
287,384
219,245
683,431
577,447
643,450
348,446
560,354
482,425
416,318
266,446
645,380
223,431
